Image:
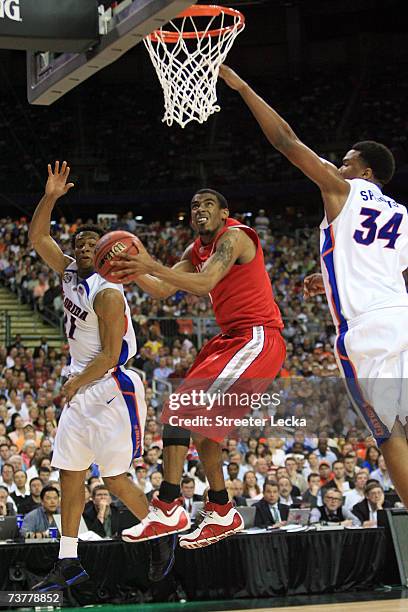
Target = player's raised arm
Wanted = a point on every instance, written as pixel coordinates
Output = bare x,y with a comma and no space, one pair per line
279,133
155,287
39,233
109,306
229,247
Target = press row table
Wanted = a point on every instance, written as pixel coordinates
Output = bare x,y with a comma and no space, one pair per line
244,566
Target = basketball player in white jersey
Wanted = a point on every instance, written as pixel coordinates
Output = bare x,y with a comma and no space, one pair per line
364,251
103,420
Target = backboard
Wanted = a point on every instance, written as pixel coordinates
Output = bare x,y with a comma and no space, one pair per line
121,27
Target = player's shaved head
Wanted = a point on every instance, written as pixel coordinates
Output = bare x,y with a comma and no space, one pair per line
222,202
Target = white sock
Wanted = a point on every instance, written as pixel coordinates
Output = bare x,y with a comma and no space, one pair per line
68,548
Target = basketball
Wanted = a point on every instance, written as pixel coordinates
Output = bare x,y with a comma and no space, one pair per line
107,249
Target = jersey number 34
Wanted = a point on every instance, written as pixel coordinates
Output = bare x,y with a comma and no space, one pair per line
388,232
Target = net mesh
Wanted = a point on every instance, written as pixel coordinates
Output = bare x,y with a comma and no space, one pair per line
188,66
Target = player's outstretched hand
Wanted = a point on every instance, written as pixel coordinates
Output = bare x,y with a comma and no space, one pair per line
231,78
128,267
313,285
57,185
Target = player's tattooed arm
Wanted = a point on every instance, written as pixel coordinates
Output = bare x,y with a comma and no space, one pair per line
224,254
127,266
230,247
157,288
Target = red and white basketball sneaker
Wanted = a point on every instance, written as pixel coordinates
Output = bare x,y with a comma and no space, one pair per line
163,519
220,521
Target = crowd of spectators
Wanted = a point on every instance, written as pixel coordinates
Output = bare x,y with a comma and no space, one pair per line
287,258
328,467
124,136
339,479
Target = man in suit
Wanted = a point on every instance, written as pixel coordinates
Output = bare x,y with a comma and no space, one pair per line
288,493
370,511
269,511
237,491
187,493
102,516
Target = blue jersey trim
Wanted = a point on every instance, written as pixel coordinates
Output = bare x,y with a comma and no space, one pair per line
380,431
127,389
328,258
376,426
86,286
124,353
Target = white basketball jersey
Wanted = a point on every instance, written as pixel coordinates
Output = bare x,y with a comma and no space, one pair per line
364,252
81,321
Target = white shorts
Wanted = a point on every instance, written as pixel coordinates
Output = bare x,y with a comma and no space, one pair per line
103,424
373,358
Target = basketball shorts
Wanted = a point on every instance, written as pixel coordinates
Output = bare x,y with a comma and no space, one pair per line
103,424
225,381
372,354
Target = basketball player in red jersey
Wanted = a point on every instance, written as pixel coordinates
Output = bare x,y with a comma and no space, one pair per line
226,261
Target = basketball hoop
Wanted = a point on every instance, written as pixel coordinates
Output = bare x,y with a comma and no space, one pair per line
187,59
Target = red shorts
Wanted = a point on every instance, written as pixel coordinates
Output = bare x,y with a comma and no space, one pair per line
229,372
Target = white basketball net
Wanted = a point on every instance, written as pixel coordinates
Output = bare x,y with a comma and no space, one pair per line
188,68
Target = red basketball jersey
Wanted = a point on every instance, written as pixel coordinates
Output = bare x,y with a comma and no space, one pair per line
244,297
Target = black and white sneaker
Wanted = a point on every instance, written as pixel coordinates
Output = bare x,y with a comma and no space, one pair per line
65,573
162,557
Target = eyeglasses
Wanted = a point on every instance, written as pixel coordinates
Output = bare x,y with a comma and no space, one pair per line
337,499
